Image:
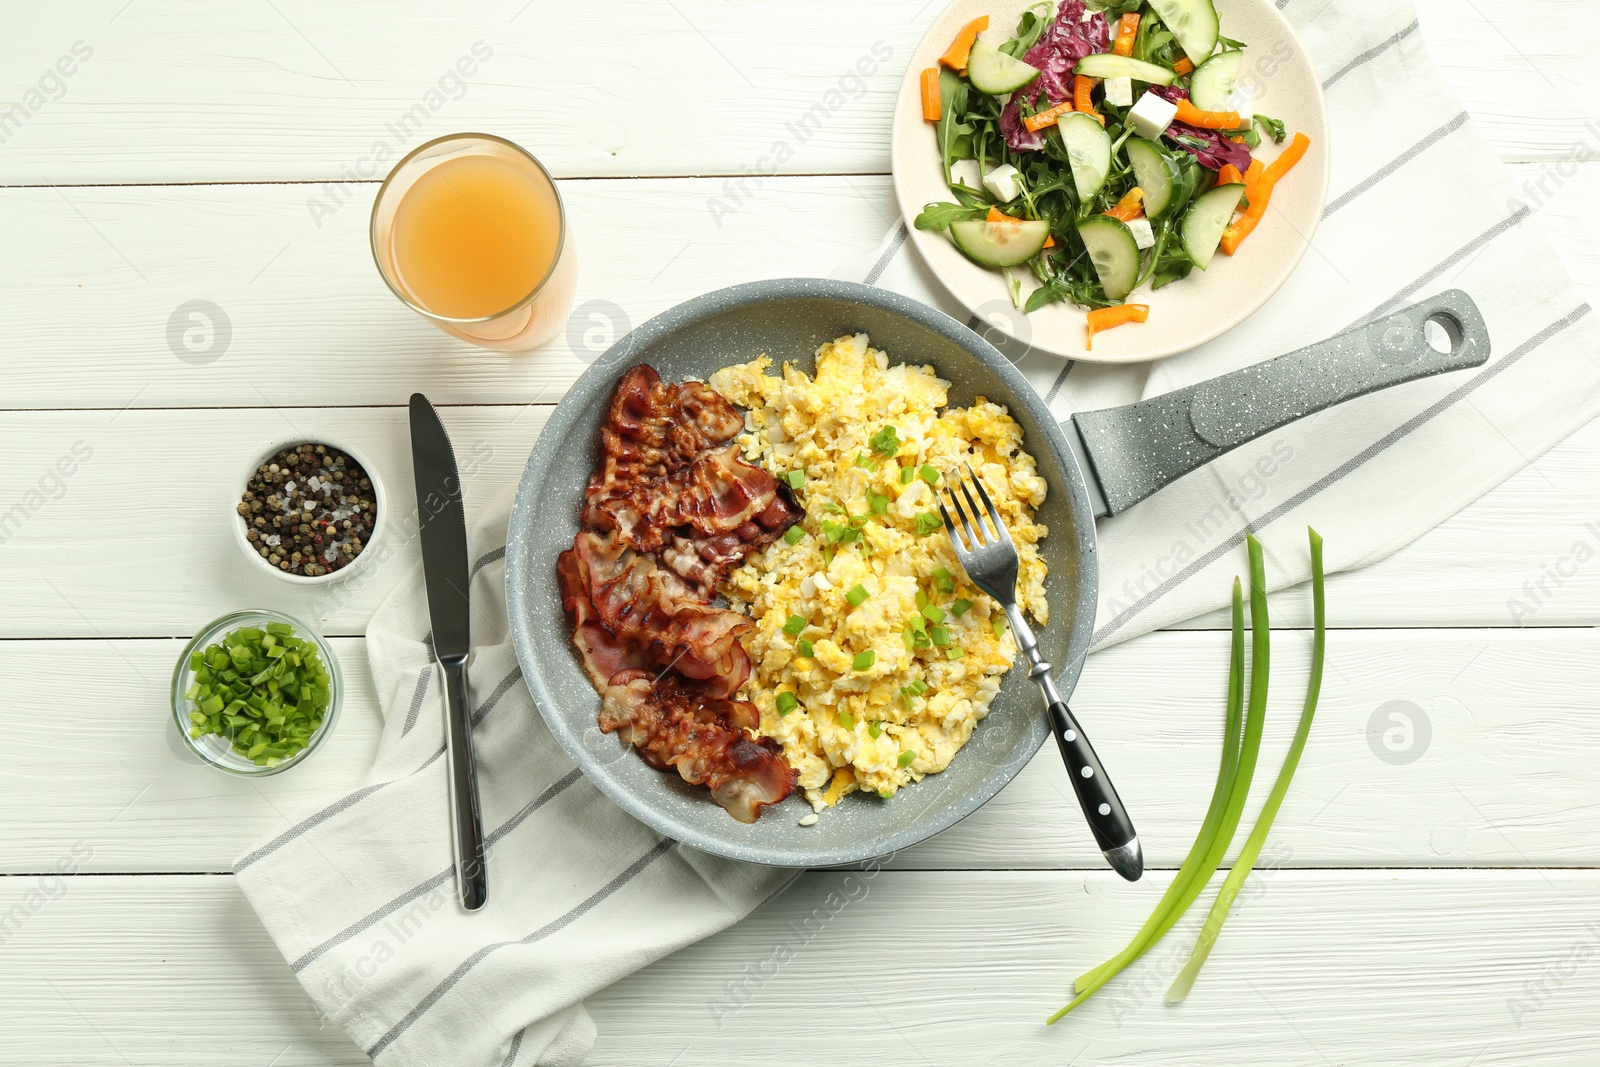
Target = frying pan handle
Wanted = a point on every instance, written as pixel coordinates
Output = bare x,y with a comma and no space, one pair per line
1137,449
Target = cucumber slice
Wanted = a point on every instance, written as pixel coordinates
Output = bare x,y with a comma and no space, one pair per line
1210,215
1109,65
1088,151
1153,173
992,71
1114,253
1211,85
1000,244
1193,23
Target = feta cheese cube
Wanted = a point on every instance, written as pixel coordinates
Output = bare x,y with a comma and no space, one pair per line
965,172
1143,236
1240,102
1119,91
1002,182
1151,116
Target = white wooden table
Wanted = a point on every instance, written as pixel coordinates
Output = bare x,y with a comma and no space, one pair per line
1429,898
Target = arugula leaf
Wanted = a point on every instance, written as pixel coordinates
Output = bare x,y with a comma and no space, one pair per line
1030,27
954,136
1229,44
1251,139
1274,128
939,216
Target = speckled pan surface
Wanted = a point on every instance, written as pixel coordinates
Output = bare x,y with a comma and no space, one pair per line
787,319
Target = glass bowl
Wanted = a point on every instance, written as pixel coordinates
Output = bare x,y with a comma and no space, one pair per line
216,749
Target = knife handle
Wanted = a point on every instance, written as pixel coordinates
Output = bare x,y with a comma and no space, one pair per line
466,821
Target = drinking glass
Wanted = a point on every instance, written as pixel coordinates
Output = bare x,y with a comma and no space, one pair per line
529,199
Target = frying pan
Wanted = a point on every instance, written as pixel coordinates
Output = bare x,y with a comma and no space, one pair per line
1097,463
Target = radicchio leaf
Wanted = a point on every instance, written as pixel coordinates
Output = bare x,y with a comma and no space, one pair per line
1218,149
1068,39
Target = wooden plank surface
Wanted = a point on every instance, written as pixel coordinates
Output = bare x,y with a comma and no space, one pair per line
102,554
305,320
1430,716
1455,967
301,91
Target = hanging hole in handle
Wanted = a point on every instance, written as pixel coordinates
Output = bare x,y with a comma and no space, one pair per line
1443,332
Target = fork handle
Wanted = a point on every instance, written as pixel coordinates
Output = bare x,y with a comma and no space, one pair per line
1108,819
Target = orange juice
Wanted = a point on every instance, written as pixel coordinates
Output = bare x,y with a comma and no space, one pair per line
474,235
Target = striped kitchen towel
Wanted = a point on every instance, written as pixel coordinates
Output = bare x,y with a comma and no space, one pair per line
1417,204
358,892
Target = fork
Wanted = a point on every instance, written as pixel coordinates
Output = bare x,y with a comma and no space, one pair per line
989,557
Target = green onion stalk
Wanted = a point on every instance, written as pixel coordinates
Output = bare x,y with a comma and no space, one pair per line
1258,836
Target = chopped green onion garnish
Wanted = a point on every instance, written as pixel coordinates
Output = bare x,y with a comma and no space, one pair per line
265,690
999,625
906,758
878,503
865,660
942,580
922,600
960,608
886,441
795,624
906,474
832,508
918,687
787,703
953,653
795,479
857,595
939,635
886,794
804,648
847,720
863,460
933,613
909,638
794,535
918,622
927,523
928,474
875,729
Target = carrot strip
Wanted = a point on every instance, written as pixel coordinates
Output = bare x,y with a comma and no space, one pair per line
1127,30
1259,183
1289,157
1129,207
1102,319
1047,117
930,94
1183,66
1207,120
955,57
1081,88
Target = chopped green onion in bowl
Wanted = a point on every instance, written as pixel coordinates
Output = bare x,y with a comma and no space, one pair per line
255,692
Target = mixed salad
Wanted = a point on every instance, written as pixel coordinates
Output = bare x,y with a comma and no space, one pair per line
1100,161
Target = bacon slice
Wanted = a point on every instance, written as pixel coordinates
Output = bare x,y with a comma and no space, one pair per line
666,513
719,493
704,738
645,605
653,429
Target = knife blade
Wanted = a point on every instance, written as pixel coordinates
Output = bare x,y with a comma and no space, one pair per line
442,527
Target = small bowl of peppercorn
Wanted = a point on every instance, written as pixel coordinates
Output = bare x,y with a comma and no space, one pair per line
310,512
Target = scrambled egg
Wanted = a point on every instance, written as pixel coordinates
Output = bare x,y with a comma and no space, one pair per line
874,657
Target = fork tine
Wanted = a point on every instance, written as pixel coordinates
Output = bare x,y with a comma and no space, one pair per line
977,515
994,514
950,528
973,540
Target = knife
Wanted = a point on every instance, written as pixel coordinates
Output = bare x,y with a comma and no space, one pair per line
442,526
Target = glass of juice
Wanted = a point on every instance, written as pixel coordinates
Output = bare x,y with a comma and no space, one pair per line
469,231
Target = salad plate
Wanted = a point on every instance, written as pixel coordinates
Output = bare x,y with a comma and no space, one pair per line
1188,305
